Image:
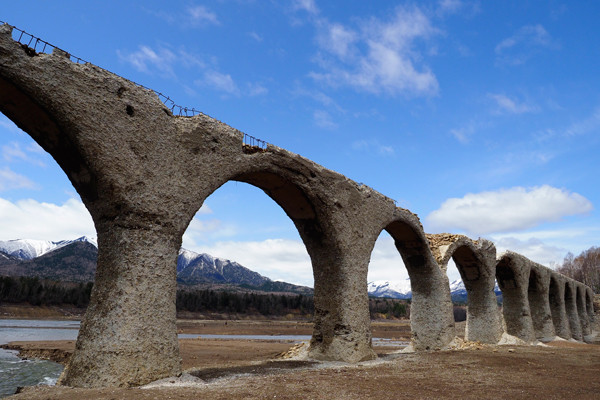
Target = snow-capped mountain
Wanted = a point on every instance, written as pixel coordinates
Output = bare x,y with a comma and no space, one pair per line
75,261
395,290
402,289
202,268
27,249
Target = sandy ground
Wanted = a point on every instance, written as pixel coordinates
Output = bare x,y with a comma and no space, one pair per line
245,369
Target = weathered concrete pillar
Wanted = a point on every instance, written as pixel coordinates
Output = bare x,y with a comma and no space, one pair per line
589,297
558,309
127,336
512,273
431,316
476,263
571,307
342,325
539,302
581,310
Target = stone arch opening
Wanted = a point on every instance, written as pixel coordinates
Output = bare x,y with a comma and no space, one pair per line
432,319
388,278
237,222
476,266
557,307
341,331
571,309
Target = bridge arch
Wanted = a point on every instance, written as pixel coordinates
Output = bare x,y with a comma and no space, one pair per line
341,331
556,296
476,263
431,316
512,274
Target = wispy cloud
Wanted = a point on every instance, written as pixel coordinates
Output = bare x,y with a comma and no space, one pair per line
324,120
523,45
378,56
507,105
507,210
587,125
308,6
166,61
463,134
219,81
149,60
373,146
13,151
11,180
202,15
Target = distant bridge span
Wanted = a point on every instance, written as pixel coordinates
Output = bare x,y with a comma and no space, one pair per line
143,173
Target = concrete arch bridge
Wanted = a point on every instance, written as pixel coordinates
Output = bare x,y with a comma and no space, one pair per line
143,173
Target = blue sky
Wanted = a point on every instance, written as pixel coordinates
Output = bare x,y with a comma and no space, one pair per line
481,117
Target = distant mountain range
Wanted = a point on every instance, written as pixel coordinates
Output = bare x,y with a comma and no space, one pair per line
402,290
75,261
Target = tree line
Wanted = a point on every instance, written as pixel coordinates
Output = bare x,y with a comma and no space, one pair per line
39,292
585,267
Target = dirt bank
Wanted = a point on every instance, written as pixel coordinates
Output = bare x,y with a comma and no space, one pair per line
568,370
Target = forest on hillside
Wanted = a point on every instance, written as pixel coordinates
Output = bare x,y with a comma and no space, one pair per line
39,292
584,268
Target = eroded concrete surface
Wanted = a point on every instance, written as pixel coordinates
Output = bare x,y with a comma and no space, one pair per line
143,173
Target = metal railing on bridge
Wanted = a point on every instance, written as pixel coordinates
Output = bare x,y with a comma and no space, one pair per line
34,45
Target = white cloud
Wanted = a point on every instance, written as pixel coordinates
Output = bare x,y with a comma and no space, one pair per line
507,210
589,124
146,59
30,219
278,259
464,133
256,89
337,40
521,46
506,104
219,81
533,248
386,262
11,180
13,151
380,57
306,5
202,15
449,6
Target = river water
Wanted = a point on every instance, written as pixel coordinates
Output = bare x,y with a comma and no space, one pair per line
15,372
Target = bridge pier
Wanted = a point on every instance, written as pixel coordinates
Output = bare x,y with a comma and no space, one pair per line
539,303
512,273
571,307
431,314
128,336
582,312
558,308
